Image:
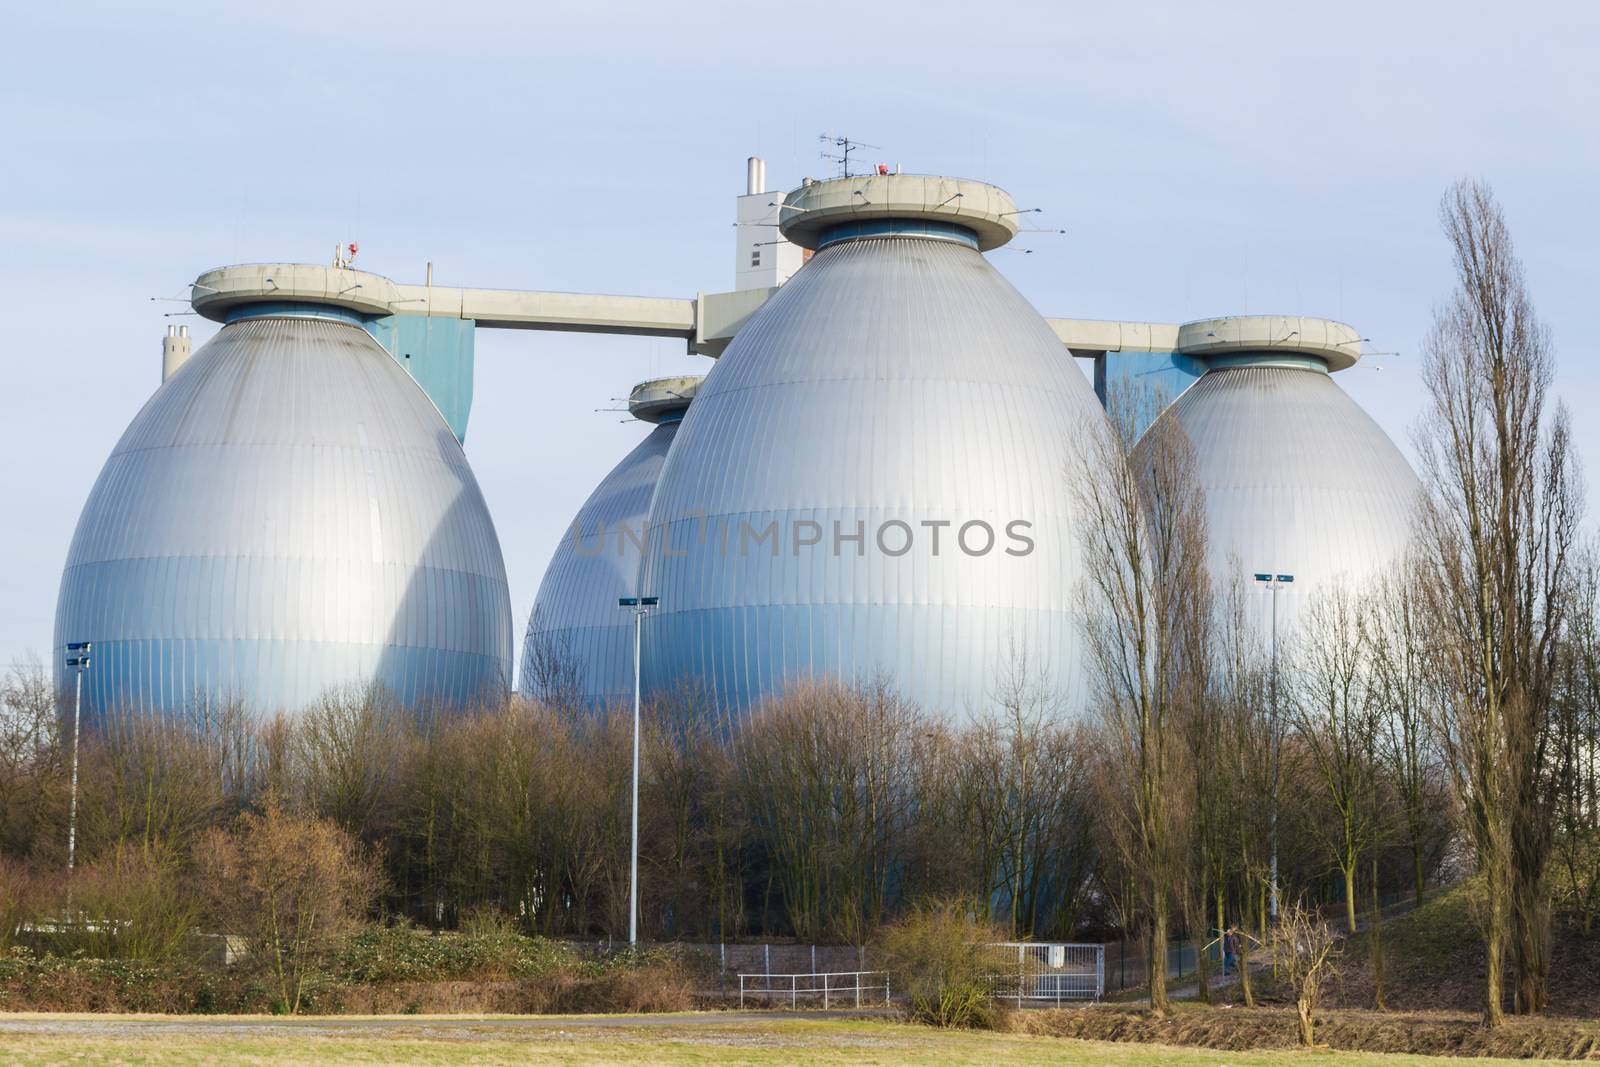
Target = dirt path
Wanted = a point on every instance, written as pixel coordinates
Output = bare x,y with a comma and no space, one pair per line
457,1027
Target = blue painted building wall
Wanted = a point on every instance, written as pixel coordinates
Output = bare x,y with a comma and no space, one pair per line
1149,380
437,353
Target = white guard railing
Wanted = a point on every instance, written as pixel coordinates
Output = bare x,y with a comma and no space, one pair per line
829,988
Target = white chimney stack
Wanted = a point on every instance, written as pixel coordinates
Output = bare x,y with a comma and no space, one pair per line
762,258
175,347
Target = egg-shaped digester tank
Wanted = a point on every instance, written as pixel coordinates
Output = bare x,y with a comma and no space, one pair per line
287,515
1299,480
579,642
875,480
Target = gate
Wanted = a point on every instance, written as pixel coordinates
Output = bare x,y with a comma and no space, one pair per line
1048,971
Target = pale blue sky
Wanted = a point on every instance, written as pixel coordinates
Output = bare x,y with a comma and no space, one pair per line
1204,160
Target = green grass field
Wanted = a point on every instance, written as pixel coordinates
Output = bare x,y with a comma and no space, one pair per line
684,1039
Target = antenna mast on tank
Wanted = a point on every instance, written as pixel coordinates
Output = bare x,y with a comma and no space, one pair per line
845,146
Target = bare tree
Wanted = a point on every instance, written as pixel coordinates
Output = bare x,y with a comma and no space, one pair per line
554,670
350,743
1020,777
830,773
1206,873
1146,602
692,821
148,782
1216,800
237,757
1406,695
1577,751
599,807
31,766
1334,717
1245,778
1497,531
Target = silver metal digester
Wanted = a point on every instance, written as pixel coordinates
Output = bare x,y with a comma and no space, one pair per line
1298,479
874,482
576,637
287,514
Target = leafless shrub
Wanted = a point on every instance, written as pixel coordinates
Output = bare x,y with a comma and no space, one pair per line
288,885
649,985
132,904
938,955
1307,950
20,903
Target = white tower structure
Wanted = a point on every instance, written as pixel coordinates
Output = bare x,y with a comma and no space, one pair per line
175,350
762,258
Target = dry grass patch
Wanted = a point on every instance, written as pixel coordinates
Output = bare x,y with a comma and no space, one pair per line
688,1040
1237,1029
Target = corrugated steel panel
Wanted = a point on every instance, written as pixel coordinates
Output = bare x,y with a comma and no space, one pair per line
1298,479
287,513
575,619
892,379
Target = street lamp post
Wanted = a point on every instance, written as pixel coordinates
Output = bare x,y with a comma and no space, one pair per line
1274,582
78,662
639,606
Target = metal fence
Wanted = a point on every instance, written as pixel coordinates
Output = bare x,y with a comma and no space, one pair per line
830,989
1048,971
733,958
1118,965
1128,962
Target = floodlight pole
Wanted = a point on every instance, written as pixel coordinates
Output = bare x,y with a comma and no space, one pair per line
72,811
79,662
1274,582
633,862
639,605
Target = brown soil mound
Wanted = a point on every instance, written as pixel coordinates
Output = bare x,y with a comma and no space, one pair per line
1237,1029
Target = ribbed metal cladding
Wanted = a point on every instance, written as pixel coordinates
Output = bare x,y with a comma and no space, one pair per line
1298,479
287,514
893,378
575,622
